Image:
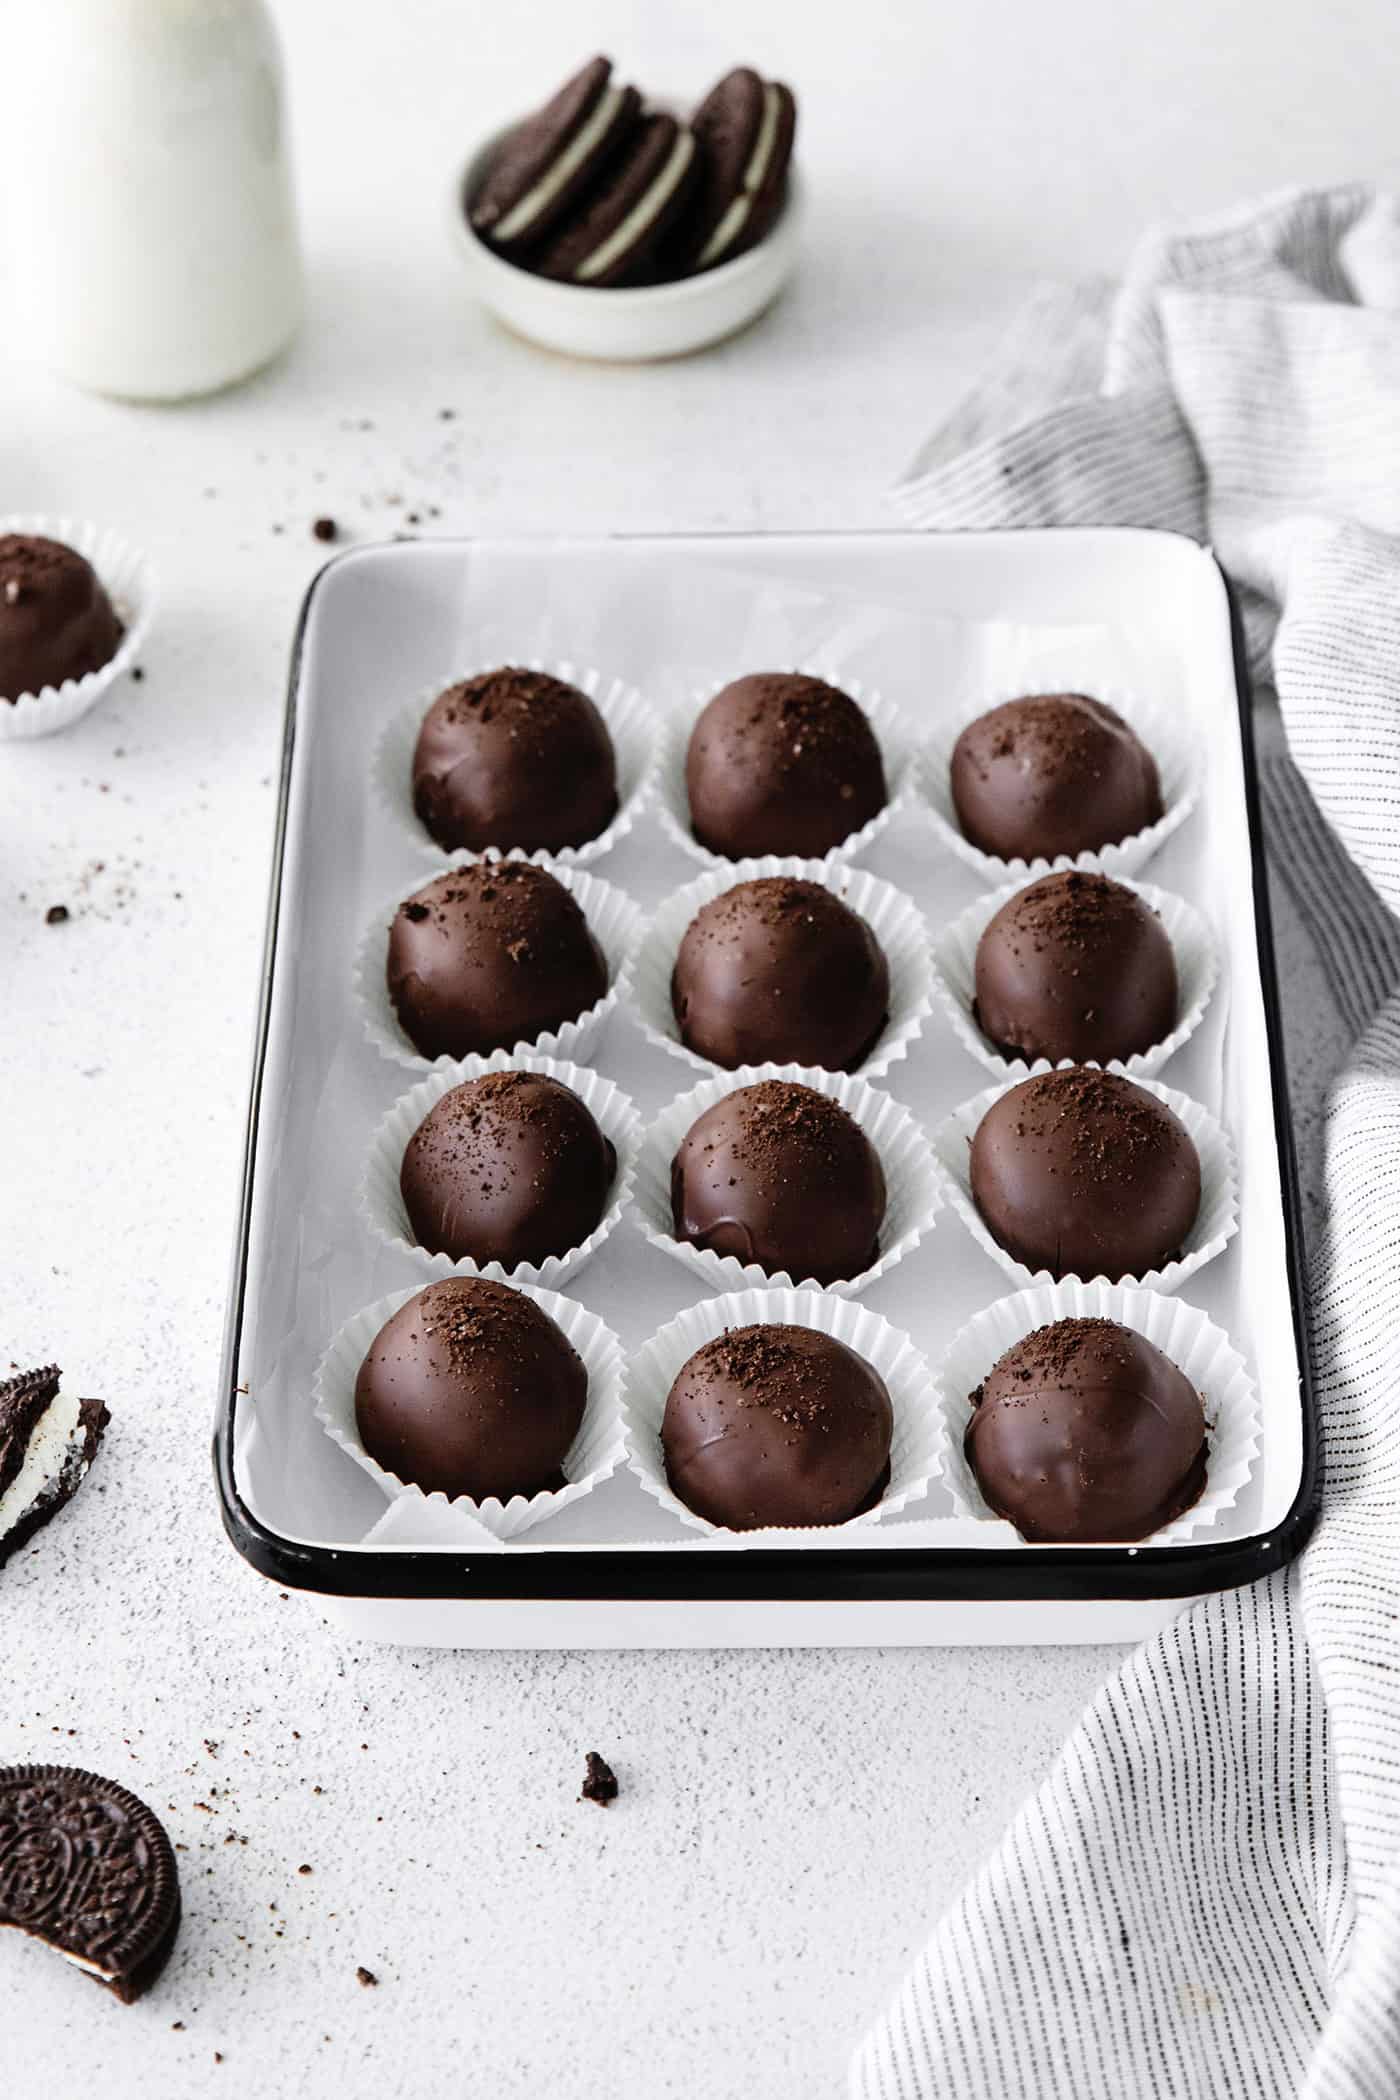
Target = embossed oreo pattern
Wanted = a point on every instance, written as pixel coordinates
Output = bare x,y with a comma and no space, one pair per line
87,1868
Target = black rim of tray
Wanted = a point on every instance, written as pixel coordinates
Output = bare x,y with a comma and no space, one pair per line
884,1574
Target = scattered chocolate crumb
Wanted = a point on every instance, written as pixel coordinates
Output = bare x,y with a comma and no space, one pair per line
367,1977
56,915
326,530
303,1870
600,1782
137,674
177,2026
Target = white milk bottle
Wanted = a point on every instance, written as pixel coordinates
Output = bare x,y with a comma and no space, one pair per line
153,242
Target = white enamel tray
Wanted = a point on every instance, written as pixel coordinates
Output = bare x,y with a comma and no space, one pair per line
925,620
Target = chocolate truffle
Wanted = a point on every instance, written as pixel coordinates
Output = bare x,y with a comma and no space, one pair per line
782,763
514,758
488,956
780,971
783,1176
56,621
1084,1174
1075,966
1085,1431
470,1389
510,1167
1053,773
777,1425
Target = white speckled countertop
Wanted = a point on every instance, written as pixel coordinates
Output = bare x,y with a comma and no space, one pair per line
789,1822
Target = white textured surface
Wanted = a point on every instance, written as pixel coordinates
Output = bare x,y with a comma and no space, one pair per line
789,1822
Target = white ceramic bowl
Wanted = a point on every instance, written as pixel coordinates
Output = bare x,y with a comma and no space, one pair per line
624,324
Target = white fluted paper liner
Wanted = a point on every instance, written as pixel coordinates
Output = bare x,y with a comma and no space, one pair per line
1217,1220
893,918
652,1371
594,1455
381,1198
1164,734
630,723
616,924
954,979
897,750
129,582
1202,1351
912,1181
420,1522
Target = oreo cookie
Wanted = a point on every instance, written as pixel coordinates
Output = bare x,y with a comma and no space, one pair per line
48,1440
551,160
744,129
87,1869
625,223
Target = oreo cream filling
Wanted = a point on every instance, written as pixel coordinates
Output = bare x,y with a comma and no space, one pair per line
55,1445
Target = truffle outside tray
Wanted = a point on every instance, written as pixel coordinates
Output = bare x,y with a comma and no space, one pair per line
927,620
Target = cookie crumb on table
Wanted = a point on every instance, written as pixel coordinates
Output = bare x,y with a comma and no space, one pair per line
600,1781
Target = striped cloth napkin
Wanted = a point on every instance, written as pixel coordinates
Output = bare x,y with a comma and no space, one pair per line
1204,1897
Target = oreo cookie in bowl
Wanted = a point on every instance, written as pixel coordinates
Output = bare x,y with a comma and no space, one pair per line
606,225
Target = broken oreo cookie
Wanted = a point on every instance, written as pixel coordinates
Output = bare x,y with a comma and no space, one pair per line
48,1440
87,1868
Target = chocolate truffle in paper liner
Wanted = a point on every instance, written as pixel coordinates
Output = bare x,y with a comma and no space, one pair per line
779,971
490,955
471,1389
777,1425
1075,966
780,762
514,758
56,620
1052,774
781,1175
1084,1432
1085,1174
510,1167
